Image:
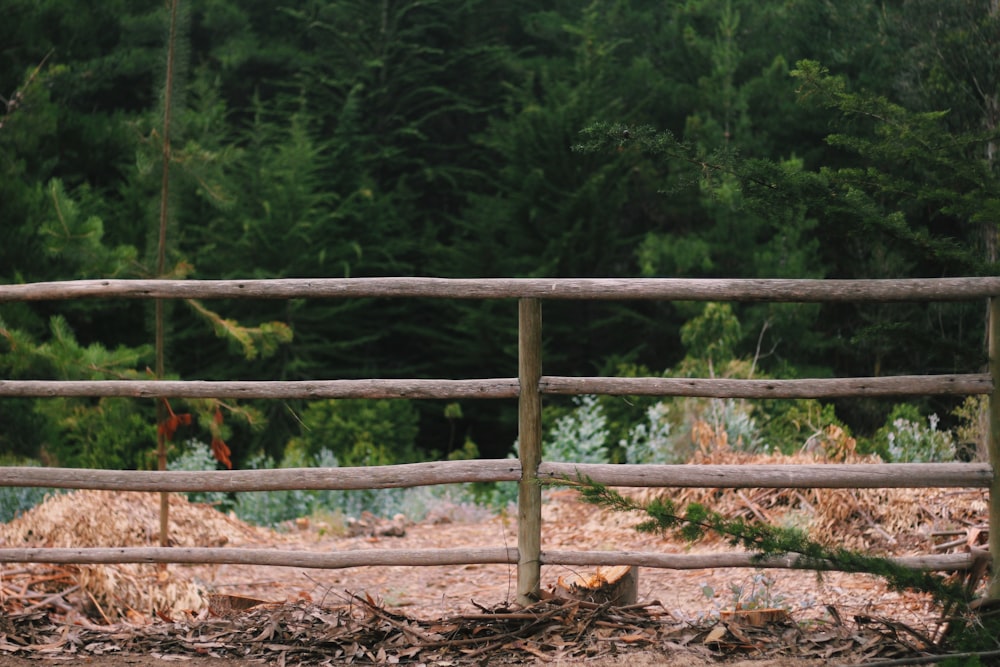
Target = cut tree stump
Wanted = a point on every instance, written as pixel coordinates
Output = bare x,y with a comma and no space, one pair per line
618,585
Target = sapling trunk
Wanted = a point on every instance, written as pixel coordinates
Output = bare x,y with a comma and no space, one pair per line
161,253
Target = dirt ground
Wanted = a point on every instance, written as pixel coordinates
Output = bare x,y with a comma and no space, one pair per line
432,592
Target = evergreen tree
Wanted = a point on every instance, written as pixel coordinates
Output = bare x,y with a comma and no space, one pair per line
434,138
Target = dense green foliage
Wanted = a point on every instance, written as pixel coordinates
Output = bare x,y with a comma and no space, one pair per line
466,138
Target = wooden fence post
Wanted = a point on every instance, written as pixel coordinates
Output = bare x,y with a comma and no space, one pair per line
994,448
529,495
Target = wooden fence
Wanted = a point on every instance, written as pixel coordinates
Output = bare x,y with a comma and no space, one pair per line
528,388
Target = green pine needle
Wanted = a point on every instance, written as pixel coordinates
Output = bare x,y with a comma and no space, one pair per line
766,541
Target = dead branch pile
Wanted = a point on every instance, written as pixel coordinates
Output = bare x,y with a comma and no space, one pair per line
361,631
114,519
888,521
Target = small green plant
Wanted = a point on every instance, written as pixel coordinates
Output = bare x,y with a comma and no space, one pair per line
758,593
906,439
497,496
16,500
329,522
712,335
328,508
786,424
733,417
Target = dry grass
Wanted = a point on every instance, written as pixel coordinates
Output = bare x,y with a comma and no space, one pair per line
128,519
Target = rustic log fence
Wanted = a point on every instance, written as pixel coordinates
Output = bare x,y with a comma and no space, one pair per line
528,388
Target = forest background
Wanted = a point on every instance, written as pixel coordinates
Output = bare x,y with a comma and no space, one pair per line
474,138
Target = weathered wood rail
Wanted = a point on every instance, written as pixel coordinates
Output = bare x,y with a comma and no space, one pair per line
403,475
617,289
903,385
417,557
528,387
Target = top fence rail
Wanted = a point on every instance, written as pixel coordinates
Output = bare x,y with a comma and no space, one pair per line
619,289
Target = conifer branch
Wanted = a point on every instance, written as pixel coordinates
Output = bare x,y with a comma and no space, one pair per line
693,522
257,341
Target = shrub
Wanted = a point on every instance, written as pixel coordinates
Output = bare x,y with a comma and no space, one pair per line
789,425
580,436
972,432
359,432
906,440
649,441
196,455
270,508
111,433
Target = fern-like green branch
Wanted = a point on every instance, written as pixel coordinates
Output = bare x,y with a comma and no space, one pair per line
694,521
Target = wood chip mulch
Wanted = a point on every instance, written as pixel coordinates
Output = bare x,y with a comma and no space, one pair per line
360,630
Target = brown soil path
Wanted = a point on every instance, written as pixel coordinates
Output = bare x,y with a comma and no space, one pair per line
430,592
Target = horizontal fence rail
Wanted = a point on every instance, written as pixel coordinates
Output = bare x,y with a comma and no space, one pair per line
401,475
902,385
618,289
759,476
943,562
781,476
413,557
276,557
309,389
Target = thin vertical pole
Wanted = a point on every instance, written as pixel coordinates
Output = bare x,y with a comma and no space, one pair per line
994,447
529,494
161,259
